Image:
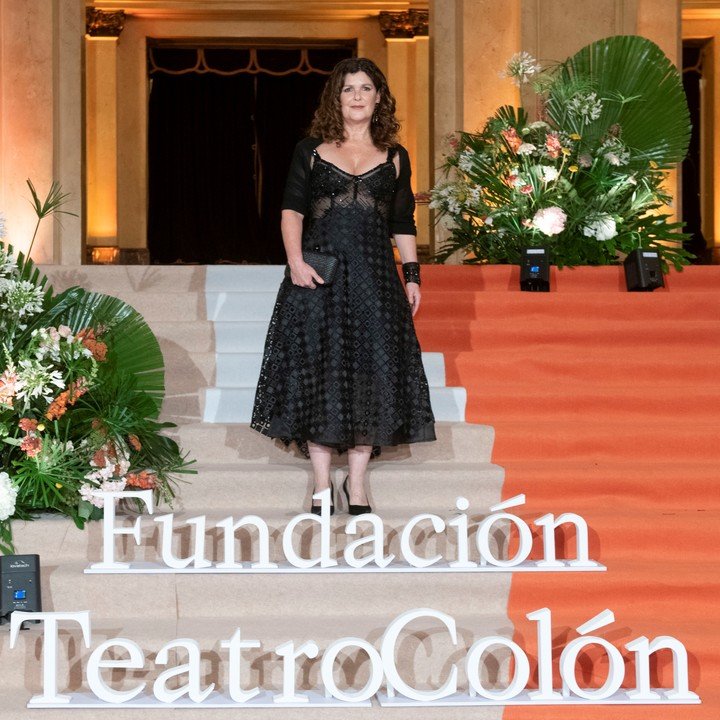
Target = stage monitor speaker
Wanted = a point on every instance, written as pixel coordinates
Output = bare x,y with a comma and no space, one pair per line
642,271
535,270
19,584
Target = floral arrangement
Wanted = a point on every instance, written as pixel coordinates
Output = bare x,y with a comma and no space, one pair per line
81,385
586,179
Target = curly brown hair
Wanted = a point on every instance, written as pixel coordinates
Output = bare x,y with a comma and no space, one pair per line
328,122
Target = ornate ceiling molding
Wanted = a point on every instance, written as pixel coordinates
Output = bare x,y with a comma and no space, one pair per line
420,20
396,25
257,9
701,9
402,25
99,23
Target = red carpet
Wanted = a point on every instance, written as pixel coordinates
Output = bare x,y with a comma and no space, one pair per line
604,403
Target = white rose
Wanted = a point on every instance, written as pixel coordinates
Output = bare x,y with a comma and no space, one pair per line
8,495
550,221
602,228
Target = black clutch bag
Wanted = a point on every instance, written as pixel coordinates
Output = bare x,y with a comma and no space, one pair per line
324,264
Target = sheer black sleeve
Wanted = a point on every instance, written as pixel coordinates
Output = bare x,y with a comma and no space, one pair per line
402,211
297,186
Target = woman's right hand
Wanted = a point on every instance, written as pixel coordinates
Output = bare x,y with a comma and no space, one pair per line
304,275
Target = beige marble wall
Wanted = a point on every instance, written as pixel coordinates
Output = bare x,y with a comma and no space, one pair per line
407,76
132,174
40,120
68,246
555,29
26,130
470,42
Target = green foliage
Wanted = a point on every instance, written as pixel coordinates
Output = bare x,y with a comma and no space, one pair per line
81,387
587,181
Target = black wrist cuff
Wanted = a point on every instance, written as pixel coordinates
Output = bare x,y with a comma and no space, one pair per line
411,272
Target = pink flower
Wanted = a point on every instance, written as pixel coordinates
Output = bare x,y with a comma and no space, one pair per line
553,146
550,220
513,140
31,444
9,385
526,189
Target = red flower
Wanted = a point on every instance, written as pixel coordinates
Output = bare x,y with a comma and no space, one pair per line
144,480
28,424
32,445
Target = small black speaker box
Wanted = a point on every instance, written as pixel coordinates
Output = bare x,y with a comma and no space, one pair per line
535,270
19,584
642,271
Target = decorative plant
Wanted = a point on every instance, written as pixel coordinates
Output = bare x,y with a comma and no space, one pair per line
585,181
81,386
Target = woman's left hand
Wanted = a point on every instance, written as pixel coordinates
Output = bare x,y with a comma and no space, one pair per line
412,290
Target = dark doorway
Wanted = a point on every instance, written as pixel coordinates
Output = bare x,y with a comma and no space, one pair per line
693,60
223,122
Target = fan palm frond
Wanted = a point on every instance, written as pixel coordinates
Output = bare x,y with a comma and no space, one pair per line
133,348
642,93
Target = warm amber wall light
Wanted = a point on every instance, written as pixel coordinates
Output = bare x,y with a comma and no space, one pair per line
105,255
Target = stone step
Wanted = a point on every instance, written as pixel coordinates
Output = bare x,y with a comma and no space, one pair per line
627,402
236,370
196,336
240,336
165,306
162,595
234,405
187,371
110,279
211,443
287,487
58,541
240,306
535,307
248,278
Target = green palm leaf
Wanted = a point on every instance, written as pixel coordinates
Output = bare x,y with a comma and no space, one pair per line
133,348
641,91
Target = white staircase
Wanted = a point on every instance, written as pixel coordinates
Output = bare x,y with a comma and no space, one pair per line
240,301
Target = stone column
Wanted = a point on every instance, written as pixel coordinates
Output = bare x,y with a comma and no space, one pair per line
103,31
68,130
470,42
424,151
407,73
26,118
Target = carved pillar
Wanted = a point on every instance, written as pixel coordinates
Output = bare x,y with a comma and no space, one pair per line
102,32
407,62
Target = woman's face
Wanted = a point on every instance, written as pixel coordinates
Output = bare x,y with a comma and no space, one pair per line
358,97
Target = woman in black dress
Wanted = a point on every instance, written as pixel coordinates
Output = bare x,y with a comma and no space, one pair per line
342,366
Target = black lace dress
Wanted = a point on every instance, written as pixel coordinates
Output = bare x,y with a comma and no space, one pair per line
342,364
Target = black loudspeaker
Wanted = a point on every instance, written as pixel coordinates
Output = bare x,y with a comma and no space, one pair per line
19,584
535,270
642,271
